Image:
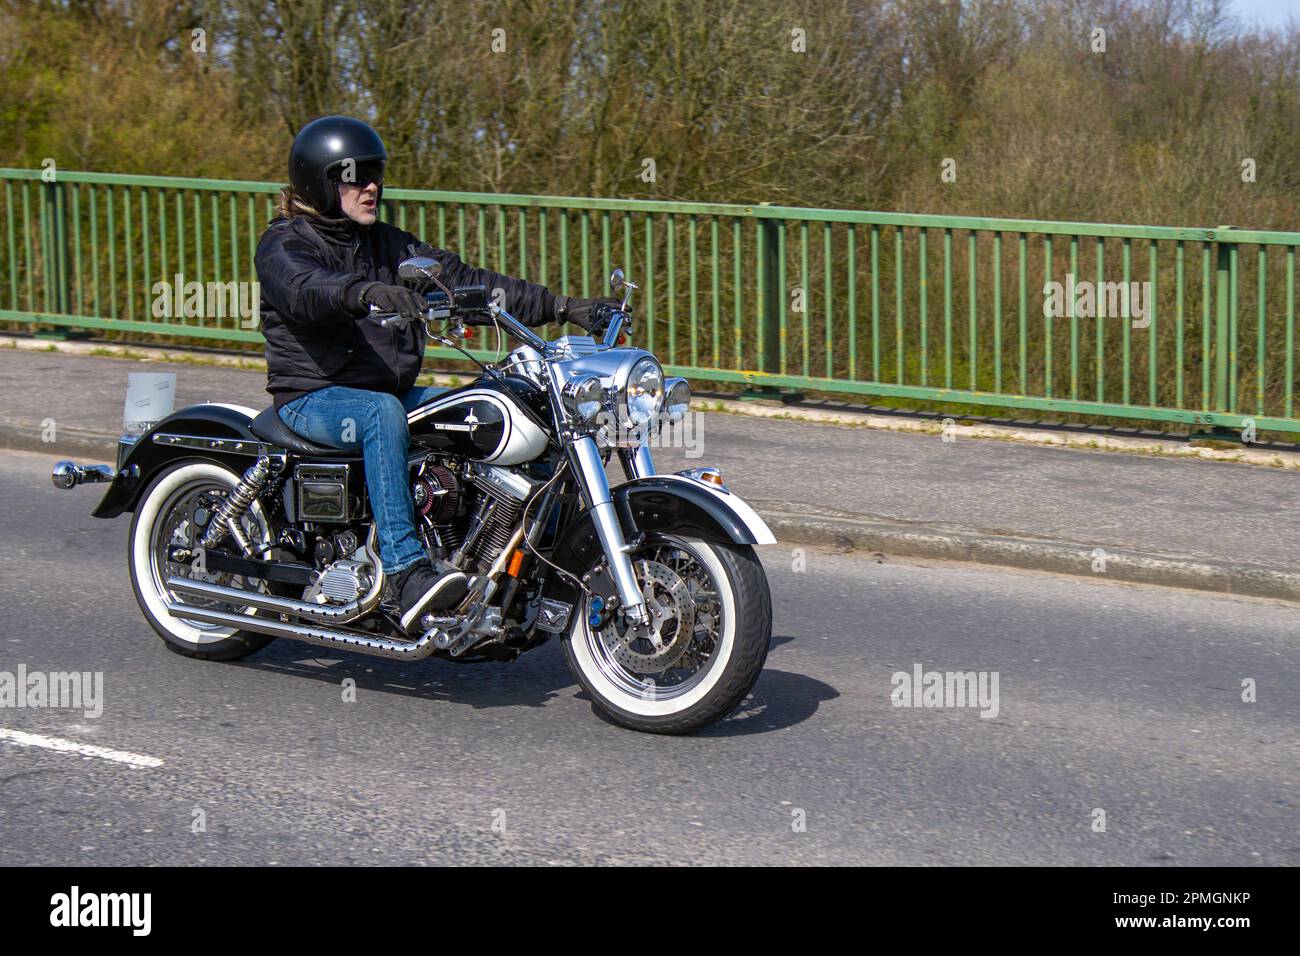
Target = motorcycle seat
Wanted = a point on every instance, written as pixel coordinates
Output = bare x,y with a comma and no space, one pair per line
269,427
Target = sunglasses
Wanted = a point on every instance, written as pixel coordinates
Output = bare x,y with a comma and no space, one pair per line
359,175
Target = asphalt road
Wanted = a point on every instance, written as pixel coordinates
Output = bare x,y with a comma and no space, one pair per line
1114,697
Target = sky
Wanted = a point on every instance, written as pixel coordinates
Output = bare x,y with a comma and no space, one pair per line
1268,13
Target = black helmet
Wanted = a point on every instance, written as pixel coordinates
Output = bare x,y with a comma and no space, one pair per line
319,151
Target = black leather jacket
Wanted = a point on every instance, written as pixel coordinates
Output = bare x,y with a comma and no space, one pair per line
318,333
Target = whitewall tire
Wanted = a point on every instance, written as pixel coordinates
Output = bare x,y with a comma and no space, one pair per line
157,507
741,621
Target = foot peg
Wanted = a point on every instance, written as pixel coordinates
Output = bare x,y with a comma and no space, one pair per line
461,635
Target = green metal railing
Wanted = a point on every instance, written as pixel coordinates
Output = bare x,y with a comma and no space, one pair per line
813,299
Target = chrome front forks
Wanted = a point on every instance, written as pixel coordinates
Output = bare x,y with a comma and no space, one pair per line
594,486
637,462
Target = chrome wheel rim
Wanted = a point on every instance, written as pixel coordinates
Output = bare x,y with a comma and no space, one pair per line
172,528
683,597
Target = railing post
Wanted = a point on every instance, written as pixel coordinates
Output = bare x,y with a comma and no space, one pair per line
1222,346
1222,318
56,262
769,323
769,326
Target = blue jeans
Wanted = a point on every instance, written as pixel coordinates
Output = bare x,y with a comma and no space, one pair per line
375,422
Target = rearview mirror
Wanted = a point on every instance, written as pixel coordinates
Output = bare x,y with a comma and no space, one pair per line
419,267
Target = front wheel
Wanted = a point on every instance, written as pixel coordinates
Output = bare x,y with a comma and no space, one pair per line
712,618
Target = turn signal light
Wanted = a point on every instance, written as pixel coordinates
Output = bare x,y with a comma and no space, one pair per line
713,478
516,563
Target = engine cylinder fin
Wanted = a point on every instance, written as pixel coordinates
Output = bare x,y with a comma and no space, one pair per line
498,532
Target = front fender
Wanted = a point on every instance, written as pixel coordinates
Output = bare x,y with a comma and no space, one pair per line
661,502
657,503
146,456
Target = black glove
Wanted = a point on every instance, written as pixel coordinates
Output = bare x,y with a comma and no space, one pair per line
593,315
393,298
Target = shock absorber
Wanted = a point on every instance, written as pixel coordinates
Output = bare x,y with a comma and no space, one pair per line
229,512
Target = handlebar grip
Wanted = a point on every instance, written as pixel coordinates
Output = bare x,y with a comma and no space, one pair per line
386,319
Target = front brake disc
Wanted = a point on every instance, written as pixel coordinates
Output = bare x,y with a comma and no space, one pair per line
672,622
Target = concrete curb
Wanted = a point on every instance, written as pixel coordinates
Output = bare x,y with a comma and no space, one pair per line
68,443
933,541
820,526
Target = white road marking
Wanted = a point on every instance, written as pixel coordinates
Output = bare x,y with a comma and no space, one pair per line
72,747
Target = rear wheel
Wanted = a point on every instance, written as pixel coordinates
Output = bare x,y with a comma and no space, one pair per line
712,621
180,494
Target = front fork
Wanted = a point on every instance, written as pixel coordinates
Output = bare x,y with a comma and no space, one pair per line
637,462
593,484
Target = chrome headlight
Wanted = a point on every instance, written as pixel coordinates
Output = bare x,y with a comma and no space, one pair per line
677,401
643,394
584,397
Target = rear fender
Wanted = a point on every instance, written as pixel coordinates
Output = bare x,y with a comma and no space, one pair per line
146,456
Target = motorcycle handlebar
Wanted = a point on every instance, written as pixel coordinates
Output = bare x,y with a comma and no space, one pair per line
386,319
615,320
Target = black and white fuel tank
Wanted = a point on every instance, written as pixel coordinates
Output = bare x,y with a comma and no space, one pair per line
487,420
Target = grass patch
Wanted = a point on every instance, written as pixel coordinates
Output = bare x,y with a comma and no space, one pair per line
177,358
246,364
119,353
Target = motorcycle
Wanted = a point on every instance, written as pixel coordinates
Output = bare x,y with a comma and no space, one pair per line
243,532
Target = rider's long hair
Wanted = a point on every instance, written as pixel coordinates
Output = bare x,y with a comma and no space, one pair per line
293,205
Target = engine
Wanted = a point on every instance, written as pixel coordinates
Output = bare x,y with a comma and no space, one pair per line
346,570
436,493
468,514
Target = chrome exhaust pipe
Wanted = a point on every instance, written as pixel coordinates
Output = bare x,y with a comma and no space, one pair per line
316,613
68,474
361,642
324,637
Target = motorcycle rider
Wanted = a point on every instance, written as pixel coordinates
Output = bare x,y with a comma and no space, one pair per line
338,377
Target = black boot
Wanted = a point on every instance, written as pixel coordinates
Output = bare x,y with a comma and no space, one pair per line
420,589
